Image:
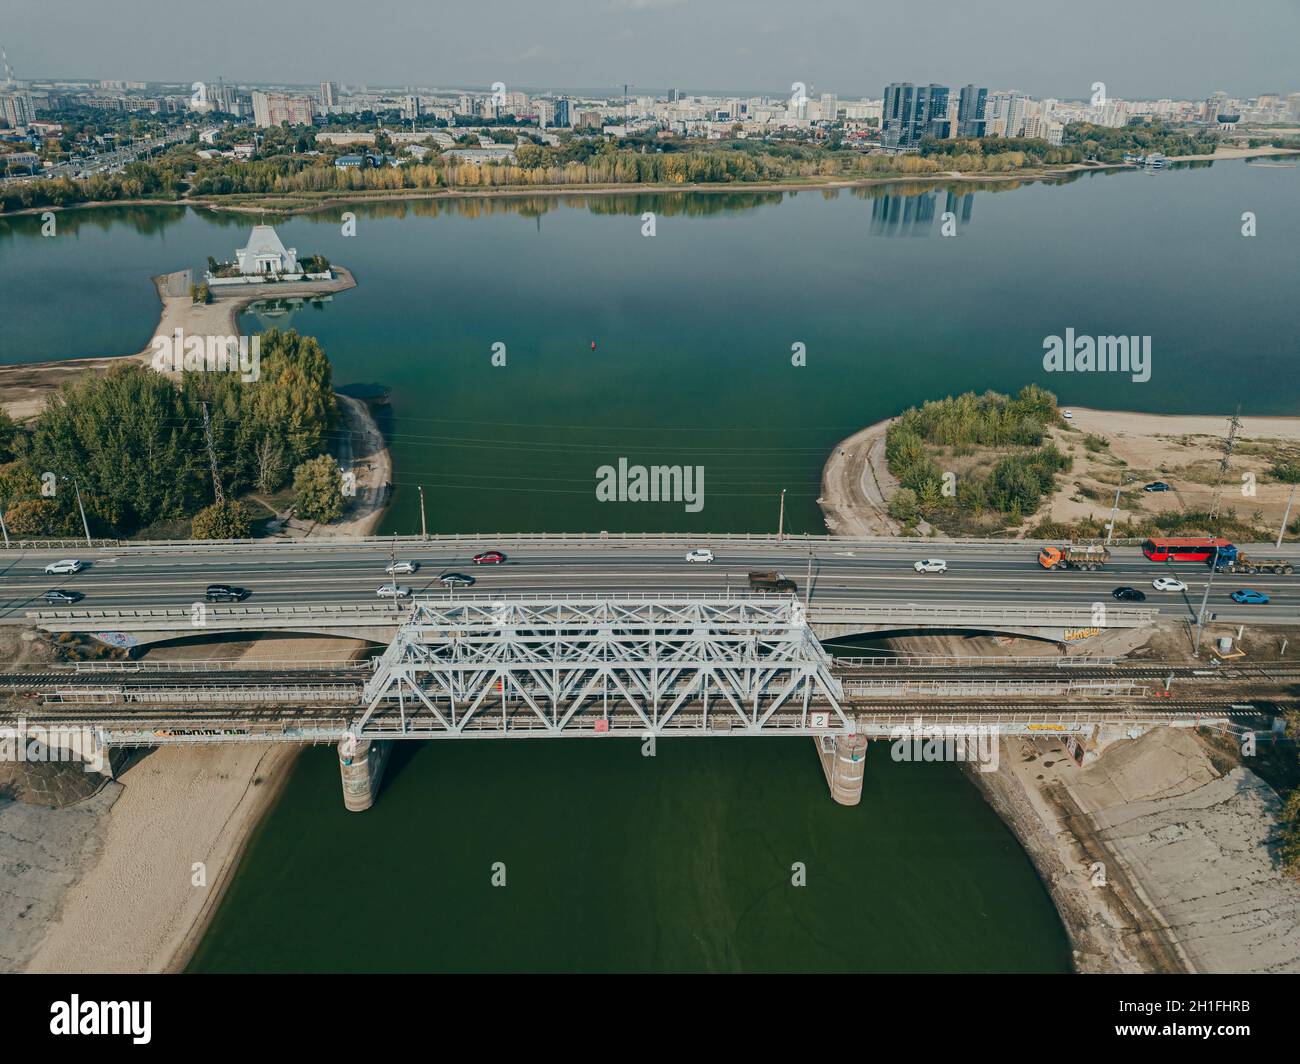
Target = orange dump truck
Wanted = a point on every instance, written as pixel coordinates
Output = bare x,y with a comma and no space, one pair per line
1089,558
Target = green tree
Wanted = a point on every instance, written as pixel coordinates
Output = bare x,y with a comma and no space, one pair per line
32,517
903,506
17,481
136,448
8,436
222,520
318,489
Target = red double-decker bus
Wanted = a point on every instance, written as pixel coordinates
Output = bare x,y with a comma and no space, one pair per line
1198,549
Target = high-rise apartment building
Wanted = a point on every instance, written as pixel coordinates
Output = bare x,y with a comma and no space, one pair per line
275,108
913,111
15,105
970,111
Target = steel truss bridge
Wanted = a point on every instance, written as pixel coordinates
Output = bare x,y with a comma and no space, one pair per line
664,666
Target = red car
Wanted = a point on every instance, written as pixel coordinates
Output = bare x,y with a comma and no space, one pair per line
489,557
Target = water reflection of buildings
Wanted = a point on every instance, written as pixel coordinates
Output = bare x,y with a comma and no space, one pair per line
896,214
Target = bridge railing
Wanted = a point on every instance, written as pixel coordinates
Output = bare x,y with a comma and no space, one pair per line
818,612
201,665
883,688
480,541
962,660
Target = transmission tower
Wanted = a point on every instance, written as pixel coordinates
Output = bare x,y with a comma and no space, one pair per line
1234,425
212,459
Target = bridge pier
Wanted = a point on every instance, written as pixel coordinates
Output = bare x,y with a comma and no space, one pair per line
361,763
844,760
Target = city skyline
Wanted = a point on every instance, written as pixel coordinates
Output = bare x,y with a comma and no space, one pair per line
653,45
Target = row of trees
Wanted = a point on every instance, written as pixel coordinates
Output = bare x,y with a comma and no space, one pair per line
135,442
160,179
1109,145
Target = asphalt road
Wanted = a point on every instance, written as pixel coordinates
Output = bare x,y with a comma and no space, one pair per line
979,574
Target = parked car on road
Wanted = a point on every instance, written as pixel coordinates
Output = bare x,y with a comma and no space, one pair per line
1249,597
393,591
700,554
68,565
59,597
931,565
1129,594
1168,583
489,557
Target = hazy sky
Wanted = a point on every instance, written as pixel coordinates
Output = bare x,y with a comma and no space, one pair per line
1139,48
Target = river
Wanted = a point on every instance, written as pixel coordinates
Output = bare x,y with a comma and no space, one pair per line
683,861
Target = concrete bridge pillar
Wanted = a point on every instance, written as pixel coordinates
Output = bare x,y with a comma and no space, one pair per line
361,763
844,760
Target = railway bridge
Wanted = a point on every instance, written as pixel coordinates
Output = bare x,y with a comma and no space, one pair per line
642,667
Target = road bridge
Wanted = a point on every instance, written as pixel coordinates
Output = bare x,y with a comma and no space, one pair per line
140,593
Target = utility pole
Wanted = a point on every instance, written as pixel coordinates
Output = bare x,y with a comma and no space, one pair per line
424,530
1234,424
1200,614
1286,516
212,459
780,525
4,528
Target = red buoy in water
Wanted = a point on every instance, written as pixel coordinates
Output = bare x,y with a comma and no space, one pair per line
593,345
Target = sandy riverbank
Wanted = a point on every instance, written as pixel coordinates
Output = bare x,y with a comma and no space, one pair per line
134,905
1157,855
856,486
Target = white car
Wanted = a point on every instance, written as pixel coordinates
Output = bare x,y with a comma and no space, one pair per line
393,591
401,567
700,555
1067,415
931,565
68,565
1168,583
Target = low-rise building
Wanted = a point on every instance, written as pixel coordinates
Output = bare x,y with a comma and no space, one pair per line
265,253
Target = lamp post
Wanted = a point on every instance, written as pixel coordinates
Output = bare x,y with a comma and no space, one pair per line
1200,614
85,525
1286,516
1114,510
